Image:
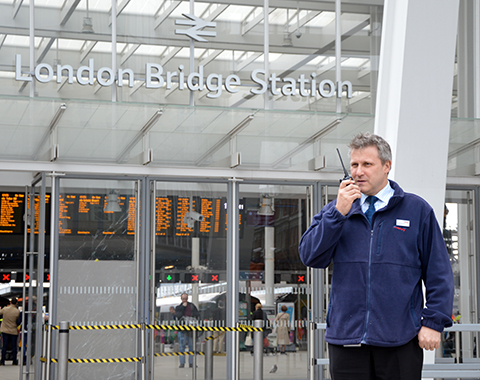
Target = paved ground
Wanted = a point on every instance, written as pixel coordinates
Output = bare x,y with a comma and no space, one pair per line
290,367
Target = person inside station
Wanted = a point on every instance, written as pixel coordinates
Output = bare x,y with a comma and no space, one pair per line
282,328
187,314
9,330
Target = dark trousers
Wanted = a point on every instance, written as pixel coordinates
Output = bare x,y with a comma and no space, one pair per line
376,363
9,339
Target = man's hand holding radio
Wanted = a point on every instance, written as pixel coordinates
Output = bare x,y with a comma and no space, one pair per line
347,193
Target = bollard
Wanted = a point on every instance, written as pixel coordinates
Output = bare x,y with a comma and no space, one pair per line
142,351
63,350
258,350
209,354
311,351
194,369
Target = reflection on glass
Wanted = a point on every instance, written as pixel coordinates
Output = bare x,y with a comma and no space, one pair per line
190,244
459,240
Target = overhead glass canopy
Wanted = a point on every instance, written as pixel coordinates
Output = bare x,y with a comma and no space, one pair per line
194,137
169,135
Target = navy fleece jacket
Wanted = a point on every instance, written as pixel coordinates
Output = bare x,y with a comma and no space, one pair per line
378,269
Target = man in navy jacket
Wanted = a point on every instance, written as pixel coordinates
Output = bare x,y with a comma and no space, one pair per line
384,243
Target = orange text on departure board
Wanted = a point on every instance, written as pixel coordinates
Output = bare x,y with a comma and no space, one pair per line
163,217
11,212
207,212
66,205
183,206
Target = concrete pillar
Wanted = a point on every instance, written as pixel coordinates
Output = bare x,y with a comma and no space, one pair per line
269,267
468,60
414,95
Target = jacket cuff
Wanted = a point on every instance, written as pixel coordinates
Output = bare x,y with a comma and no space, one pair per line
437,325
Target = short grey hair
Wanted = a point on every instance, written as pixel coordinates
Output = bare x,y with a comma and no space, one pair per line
366,139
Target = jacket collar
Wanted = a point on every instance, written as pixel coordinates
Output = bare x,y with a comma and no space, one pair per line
396,198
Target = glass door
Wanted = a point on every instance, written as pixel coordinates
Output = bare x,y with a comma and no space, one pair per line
459,234
34,294
189,245
272,221
97,275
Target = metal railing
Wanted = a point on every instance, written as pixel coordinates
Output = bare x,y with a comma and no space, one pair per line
63,354
468,368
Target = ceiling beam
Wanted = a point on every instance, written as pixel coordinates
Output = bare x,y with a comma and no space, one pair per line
217,12
129,51
304,144
170,56
304,20
210,57
67,10
44,47
330,45
87,48
51,128
140,134
3,37
246,62
249,25
226,138
120,9
165,14
16,7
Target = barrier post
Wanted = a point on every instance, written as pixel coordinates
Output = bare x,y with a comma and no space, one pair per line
63,350
311,351
258,350
209,353
194,369
142,352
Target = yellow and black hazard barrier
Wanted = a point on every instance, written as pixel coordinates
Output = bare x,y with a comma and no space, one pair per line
244,328
215,337
125,360
118,360
188,353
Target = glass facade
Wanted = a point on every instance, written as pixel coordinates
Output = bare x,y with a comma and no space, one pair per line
156,52
163,116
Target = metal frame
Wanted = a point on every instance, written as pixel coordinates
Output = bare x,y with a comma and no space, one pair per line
233,265
146,253
143,265
35,246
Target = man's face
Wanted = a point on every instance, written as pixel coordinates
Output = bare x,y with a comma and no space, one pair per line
367,170
184,298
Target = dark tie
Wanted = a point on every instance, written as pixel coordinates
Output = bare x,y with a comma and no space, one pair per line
371,199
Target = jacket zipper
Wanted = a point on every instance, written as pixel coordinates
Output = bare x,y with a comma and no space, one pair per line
368,287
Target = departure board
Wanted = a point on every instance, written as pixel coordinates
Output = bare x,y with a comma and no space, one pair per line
84,214
12,206
171,211
163,216
89,214
206,209
68,205
131,216
37,213
182,207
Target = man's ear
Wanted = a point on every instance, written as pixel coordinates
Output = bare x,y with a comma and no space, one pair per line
388,166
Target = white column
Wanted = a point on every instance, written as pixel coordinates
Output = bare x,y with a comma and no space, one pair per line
415,94
195,265
464,239
468,59
269,267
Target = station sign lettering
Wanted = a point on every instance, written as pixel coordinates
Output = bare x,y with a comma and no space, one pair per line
156,77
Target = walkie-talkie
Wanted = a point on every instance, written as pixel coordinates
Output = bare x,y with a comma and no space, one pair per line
347,176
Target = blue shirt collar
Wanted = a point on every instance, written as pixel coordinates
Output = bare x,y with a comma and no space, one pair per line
383,196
